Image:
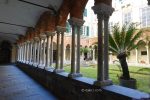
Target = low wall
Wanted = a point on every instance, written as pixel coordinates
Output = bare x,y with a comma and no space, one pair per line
80,88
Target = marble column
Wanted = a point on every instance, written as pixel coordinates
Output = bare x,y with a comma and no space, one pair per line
31,53
23,51
18,52
106,47
42,38
47,50
136,51
62,30
65,54
103,12
57,52
58,68
51,49
72,73
148,58
79,23
44,56
93,55
26,55
35,53
27,52
75,53
38,52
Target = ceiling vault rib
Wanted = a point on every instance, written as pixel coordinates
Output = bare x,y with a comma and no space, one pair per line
15,24
49,8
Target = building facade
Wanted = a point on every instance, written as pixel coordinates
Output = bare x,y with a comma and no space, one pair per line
127,11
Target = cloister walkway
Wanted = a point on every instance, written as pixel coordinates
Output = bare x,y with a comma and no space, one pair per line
16,85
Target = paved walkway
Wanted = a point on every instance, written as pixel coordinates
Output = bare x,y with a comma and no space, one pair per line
16,85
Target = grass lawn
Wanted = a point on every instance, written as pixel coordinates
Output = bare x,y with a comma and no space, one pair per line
142,77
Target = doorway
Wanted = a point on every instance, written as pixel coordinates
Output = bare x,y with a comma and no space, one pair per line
5,52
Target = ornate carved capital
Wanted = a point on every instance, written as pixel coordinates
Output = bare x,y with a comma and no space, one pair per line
61,29
36,38
76,21
50,33
103,10
42,36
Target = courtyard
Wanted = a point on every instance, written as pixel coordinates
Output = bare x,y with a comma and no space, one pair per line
141,74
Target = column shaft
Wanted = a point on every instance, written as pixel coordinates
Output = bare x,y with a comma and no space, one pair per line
38,53
25,51
51,52
136,51
28,52
78,51
31,53
35,53
147,48
73,51
57,52
44,52
100,68
47,52
62,51
106,48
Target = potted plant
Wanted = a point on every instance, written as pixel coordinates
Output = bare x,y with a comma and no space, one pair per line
121,42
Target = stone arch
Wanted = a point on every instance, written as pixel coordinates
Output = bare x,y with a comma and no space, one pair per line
50,22
63,13
77,8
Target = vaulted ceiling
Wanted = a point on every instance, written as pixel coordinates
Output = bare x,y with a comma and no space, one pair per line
17,15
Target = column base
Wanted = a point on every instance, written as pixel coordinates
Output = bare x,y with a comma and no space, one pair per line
35,65
30,63
58,70
74,75
42,66
103,83
48,67
27,62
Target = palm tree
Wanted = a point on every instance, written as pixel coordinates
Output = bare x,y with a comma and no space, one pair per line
121,42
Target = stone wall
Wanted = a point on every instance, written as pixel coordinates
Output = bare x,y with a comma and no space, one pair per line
80,88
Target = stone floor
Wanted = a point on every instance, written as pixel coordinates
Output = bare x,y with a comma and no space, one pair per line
16,85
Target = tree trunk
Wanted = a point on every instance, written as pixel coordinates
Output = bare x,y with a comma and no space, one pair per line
124,65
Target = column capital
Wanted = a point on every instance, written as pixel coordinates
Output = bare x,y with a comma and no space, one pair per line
103,10
50,33
42,36
36,38
61,29
27,41
76,21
